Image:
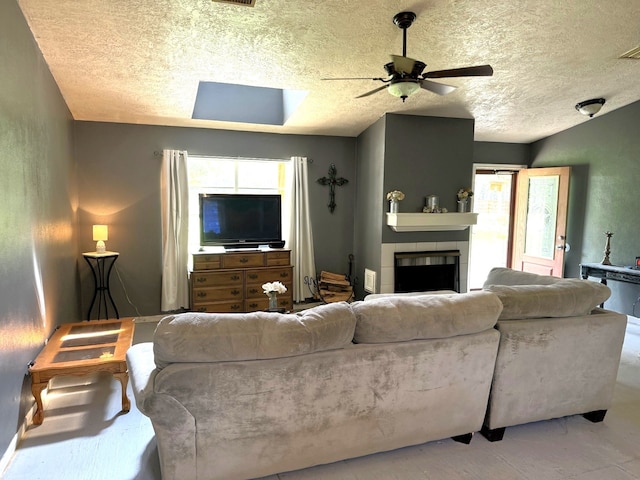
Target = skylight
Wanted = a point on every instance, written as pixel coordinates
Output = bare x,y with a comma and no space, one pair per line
245,104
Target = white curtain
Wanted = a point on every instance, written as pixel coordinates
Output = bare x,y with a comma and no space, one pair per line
297,229
175,230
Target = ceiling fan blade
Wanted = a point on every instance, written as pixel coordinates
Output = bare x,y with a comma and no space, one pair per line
403,64
354,78
375,90
435,87
479,71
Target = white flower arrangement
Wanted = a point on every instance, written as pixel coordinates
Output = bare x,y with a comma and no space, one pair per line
395,195
272,287
464,194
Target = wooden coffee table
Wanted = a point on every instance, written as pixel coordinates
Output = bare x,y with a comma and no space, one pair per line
81,349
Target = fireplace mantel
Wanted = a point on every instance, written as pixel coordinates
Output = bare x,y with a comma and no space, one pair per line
430,222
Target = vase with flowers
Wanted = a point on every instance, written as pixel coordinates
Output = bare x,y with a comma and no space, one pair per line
394,198
463,197
271,290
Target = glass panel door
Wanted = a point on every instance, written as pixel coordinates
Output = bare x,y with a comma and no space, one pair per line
542,207
490,237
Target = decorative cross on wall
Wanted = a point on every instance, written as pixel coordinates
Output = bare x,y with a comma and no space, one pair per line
332,181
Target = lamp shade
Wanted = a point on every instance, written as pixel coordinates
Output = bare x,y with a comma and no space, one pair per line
100,232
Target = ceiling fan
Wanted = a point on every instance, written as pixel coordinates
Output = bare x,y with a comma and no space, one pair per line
406,75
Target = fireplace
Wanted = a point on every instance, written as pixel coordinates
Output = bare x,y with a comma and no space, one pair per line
427,271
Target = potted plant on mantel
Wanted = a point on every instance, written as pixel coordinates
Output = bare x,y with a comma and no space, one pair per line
394,198
463,197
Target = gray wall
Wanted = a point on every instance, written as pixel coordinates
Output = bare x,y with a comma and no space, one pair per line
368,221
502,153
38,256
604,155
119,184
419,156
426,156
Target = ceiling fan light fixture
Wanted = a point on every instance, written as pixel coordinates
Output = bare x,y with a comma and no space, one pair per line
403,88
590,107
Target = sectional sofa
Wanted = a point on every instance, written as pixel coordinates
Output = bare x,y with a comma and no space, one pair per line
239,396
558,354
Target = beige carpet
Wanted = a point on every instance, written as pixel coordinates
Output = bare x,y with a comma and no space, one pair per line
84,437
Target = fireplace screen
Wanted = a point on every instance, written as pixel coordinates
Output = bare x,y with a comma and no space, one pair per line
427,271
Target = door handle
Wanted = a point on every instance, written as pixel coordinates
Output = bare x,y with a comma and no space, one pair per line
563,245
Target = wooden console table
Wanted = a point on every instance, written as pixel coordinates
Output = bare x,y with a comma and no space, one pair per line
80,349
610,272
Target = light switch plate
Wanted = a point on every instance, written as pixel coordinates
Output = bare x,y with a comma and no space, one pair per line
369,281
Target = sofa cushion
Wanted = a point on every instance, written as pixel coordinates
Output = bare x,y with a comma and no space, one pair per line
219,337
403,318
567,298
508,276
528,295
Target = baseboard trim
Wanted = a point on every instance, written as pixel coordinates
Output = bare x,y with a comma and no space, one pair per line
7,456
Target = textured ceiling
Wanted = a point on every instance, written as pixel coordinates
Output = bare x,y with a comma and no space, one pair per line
140,61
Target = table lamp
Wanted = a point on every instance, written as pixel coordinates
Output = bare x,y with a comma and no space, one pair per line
100,234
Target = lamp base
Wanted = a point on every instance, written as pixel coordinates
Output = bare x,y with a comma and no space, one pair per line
100,247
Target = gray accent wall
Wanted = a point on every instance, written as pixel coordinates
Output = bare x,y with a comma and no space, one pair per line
502,153
426,156
420,156
604,156
368,221
38,257
119,185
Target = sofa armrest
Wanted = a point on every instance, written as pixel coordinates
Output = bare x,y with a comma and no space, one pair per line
142,372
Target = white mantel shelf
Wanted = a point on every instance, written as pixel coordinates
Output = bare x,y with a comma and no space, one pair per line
430,222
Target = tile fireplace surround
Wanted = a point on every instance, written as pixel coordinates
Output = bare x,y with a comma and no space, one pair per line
388,249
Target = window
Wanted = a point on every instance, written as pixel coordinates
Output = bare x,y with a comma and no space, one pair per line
231,175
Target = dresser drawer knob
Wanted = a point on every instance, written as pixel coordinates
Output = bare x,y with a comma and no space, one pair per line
235,307
284,275
244,260
253,276
253,290
235,277
201,294
253,305
235,292
201,279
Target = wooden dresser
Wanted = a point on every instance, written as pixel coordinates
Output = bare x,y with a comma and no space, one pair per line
232,281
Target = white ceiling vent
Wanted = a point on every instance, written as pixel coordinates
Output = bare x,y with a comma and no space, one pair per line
245,3
634,53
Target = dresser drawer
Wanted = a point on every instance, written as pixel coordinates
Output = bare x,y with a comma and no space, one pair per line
207,262
254,290
220,307
256,304
243,260
264,275
278,258
216,294
212,279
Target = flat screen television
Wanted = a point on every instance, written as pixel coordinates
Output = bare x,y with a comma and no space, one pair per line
240,220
